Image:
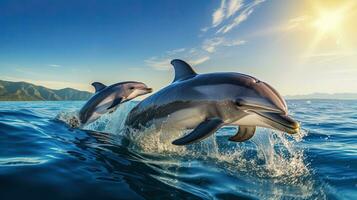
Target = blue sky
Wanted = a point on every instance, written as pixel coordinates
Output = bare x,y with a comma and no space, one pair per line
297,46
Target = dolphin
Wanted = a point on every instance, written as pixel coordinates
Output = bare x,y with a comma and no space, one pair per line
206,102
107,99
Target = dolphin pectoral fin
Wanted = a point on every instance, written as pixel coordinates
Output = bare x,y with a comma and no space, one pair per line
182,70
98,86
202,131
115,103
244,133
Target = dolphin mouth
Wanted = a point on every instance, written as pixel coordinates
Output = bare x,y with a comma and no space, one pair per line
149,90
280,122
257,106
145,90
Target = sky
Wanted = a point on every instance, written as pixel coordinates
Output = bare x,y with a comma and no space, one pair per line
298,47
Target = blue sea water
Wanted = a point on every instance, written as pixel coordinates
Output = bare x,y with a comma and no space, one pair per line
41,157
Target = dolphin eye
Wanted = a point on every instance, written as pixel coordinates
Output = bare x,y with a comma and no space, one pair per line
131,88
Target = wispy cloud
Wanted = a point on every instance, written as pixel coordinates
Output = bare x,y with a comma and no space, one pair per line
193,56
218,15
198,61
53,65
158,63
225,11
233,7
210,45
235,18
296,22
175,51
228,15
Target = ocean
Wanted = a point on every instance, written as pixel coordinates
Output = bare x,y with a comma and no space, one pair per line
42,157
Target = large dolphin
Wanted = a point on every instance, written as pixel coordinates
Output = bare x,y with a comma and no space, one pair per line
107,99
206,102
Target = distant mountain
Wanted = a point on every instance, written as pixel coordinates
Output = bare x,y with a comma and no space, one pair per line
22,91
324,96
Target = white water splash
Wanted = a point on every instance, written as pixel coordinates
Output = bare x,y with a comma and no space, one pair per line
282,157
111,123
69,117
270,157
273,154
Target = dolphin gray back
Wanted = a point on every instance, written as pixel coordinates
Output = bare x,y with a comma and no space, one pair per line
189,89
187,93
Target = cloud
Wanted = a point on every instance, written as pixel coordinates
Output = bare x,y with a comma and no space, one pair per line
228,15
172,52
235,43
219,14
193,56
158,63
296,22
210,45
199,60
53,65
226,10
240,17
233,7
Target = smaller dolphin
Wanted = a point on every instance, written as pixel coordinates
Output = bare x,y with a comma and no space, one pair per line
107,99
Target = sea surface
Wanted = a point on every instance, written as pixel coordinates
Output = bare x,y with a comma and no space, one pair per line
42,157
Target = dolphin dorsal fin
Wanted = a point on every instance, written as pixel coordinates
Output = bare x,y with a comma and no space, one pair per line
182,70
98,86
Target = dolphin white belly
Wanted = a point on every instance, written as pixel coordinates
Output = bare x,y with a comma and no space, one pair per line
186,118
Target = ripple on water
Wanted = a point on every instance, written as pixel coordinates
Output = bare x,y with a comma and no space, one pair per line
21,161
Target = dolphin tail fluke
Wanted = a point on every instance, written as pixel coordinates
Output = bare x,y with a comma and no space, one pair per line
244,133
201,132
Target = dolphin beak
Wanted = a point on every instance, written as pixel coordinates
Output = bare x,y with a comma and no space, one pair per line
280,122
271,107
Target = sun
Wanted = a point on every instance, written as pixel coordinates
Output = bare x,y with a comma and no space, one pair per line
329,21
330,24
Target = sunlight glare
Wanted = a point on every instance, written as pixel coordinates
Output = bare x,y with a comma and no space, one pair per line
329,21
